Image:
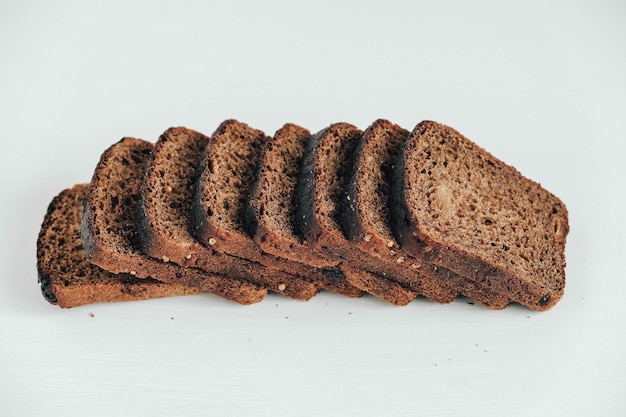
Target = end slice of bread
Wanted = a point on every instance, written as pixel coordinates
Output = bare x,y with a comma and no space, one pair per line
110,237
68,279
464,209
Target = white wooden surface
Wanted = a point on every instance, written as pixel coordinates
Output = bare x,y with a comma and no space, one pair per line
540,85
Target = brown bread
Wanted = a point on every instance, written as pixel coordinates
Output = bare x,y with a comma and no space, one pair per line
464,209
326,168
68,279
271,208
109,234
227,172
366,221
163,216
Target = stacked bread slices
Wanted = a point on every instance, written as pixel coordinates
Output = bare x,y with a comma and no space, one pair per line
388,212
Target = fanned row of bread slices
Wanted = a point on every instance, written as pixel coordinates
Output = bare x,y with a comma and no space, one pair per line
394,213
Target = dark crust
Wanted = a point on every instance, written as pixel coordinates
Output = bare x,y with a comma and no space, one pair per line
420,244
44,274
46,287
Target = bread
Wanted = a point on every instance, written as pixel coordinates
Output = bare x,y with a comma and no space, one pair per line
163,215
68,279
393,213
108,228
327,164
271,208
228,171
366,219
272,205
463,209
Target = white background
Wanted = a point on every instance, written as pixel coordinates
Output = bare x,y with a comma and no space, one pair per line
539,84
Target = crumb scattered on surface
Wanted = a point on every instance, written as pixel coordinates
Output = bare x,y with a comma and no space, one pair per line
92,315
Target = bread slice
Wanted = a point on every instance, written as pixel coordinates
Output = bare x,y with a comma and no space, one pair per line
163,216
327,164
110,237
364,218
228,172
68,279
271,208
366,221
462,208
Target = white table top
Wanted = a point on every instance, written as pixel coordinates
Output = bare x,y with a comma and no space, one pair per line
540,86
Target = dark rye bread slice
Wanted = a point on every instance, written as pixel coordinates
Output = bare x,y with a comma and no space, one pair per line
271,208
67,279
228,171
466,210
163,216
326,167
366,221
109,234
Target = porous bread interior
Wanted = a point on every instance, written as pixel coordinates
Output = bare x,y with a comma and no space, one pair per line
68,278
374,169
113,208
335,148
463,197
280,168
60,247
169,183
232,155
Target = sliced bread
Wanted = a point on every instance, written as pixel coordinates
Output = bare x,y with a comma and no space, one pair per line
366,221
464,209
110,237
228,172
271,208
163,216
327,164
68,279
